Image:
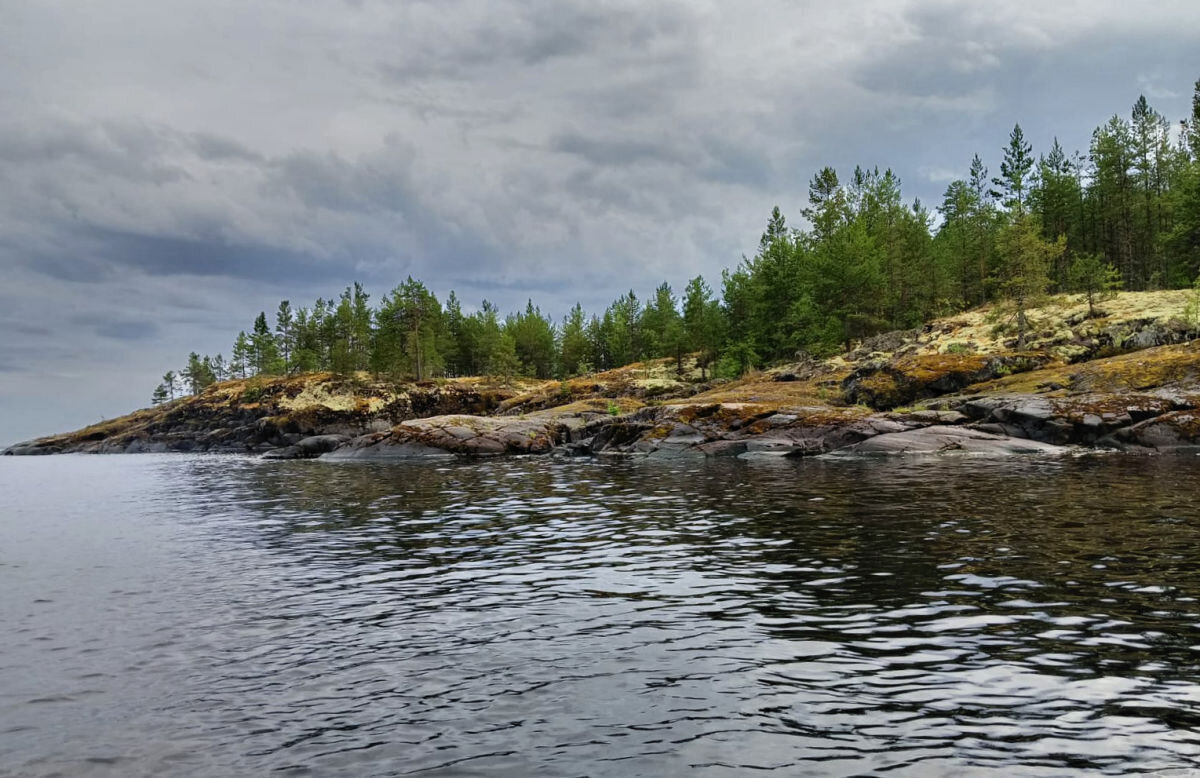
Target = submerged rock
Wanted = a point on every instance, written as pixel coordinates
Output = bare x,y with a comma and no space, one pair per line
308,448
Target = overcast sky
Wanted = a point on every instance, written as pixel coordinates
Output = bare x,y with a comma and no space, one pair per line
168,169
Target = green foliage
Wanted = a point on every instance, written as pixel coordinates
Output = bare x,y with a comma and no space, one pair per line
198,374
503,361
702,323
1125,212
614,409
1191,310
160,395
1015,170
407,333
1095,278
533,340
737,360
1025,260
264,351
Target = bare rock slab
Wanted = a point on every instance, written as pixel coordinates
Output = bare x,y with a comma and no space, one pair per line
940,439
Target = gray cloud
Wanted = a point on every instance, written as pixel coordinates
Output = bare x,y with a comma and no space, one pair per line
127,330
165,181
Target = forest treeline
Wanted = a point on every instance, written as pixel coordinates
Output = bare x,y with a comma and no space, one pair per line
1125,213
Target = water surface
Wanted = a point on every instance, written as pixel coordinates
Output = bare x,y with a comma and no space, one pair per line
215,616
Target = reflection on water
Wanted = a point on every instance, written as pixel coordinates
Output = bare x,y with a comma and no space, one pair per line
218,616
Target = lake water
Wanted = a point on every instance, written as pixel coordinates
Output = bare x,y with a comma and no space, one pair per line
219,616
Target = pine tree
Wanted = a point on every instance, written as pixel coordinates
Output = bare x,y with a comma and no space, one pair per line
983,227
1026,260
657,318
1015,172
1056,199
1112,155
1151,148
702,323
1183,241
198,374
262,344
170,383
574,349
242,356
285,336
502,360
534,337
360,327
452,346
409,328
1095,278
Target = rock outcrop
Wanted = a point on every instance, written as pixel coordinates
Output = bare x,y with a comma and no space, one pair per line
1128,382
288,417
466,435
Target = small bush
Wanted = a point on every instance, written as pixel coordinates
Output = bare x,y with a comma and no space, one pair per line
614,409
1191,311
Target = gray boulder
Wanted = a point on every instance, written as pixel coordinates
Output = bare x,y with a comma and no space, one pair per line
940,439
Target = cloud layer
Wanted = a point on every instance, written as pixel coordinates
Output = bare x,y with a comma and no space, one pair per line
171,169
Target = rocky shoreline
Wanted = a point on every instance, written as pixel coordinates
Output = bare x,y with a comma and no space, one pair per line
1127,384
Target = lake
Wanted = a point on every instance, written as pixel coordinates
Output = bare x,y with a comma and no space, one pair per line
217,616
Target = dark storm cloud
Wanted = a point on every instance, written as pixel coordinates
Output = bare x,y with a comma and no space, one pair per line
106,255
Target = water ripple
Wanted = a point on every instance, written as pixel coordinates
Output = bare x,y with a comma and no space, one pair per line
216,616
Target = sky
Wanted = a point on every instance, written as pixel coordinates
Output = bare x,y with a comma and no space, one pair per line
169,169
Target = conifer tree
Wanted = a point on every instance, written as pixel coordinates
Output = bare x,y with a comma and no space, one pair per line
1095,278
1015,171
170,383
502,359
1026,260
702,323
285,336
262,344
160,395
574,349
242,359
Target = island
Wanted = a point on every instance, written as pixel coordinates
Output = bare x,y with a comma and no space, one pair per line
1123,377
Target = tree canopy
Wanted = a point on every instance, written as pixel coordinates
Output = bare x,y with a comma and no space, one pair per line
1123,213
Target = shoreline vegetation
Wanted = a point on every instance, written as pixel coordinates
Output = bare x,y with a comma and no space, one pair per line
1124,377
877,328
